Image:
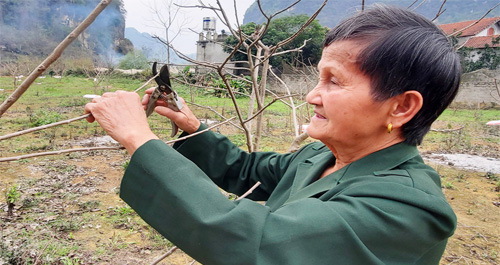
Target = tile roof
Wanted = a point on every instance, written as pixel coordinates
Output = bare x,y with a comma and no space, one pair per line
473,30
480,42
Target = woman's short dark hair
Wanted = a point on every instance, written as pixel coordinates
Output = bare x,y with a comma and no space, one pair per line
404,51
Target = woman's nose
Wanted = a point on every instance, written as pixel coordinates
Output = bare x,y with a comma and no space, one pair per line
313,97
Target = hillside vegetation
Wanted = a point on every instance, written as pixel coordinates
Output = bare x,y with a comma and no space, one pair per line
34,28
334,11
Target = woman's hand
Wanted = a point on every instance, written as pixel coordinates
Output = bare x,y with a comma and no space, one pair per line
184,118
122,116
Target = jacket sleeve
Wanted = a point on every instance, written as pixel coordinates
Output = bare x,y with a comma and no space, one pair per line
177,199
233,169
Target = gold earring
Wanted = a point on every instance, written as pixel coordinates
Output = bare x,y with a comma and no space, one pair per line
389,128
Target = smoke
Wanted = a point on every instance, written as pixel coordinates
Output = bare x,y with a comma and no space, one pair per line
35,27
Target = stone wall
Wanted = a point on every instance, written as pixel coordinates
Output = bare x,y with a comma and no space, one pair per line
298,84
479,88
476,89
298,81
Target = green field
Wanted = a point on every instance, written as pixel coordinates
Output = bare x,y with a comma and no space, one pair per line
68,210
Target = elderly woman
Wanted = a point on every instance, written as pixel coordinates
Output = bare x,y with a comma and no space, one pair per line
361,195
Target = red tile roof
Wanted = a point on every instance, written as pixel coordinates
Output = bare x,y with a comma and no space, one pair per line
480,42
473,30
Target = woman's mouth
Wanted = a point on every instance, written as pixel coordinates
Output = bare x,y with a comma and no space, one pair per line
319,116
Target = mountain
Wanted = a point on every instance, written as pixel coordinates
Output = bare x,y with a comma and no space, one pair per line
151,47
335,10
34,28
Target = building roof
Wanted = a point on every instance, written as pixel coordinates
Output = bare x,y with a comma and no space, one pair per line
480,42
473,30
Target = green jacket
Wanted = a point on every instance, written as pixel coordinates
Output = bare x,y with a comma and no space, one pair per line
386,208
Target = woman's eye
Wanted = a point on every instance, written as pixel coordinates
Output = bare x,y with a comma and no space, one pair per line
334,81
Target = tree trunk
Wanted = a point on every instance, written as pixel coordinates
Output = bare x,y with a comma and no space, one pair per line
262,94
10,209
254,96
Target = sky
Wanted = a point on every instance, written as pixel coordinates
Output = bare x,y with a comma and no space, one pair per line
146,16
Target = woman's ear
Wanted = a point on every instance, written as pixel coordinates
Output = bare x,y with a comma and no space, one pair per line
405,107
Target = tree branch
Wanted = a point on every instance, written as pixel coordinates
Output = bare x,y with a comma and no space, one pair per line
249,191
294,109
43,127
474,23
208,87
496,86
423,1
214,111
14,158
413,4
265,107
297,141
53,57
439,13
175,248
311,19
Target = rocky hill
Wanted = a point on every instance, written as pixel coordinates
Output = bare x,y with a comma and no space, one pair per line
152,48
34,28
335,10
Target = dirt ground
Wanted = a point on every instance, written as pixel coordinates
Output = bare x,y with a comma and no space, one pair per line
69,211
73,200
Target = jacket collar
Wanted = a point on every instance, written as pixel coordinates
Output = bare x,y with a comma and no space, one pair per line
307,182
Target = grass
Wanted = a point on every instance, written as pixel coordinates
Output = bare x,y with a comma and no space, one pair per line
81,220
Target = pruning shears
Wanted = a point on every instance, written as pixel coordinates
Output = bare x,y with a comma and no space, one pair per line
166,93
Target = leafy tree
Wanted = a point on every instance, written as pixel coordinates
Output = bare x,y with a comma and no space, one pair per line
486,58
134,60
11,196
282,28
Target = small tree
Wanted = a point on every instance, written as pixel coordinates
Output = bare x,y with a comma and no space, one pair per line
485,58
11,196
172,21
280,29
134,60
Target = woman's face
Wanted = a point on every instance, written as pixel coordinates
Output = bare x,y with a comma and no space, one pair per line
345,112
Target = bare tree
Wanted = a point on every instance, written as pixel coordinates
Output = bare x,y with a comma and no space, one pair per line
12,69
169,16
258,54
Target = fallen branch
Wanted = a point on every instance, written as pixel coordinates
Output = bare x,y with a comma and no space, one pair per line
52,57
448,130
172,250
88,149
